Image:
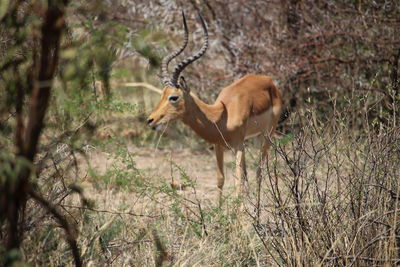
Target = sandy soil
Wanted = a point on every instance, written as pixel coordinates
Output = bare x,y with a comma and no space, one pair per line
169,163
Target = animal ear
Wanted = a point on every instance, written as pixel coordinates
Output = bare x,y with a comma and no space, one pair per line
183,85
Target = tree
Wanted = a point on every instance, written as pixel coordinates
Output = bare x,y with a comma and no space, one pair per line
29,89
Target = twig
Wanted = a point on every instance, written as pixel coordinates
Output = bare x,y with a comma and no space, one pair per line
145,85
64,224
109,211
363,258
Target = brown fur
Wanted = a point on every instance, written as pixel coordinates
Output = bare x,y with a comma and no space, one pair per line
238,108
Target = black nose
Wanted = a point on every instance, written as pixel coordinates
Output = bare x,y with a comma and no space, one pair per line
150,121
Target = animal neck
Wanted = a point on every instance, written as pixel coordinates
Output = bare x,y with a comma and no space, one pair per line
203,118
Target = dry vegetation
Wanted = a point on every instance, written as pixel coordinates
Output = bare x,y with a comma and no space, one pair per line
83,182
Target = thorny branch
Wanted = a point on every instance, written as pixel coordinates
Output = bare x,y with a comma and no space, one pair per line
27,139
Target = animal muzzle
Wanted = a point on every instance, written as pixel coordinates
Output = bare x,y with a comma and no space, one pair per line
154,124
149,121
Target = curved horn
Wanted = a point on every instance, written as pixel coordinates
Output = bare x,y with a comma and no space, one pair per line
168,58
186,62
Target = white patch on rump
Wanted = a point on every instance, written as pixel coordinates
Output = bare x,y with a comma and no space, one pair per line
258,124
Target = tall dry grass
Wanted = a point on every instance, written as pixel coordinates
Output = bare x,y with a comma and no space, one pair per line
329,197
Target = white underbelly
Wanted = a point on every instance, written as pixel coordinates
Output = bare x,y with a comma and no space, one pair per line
261,123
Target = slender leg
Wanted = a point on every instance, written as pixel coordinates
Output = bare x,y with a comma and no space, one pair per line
219,153
240,170
266,144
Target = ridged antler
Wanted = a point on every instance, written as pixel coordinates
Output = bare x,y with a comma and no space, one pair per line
166,60
182,65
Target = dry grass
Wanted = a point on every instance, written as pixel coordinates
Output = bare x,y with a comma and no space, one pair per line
329,197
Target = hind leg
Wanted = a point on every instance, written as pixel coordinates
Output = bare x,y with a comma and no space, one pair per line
240,170
265,146
266,143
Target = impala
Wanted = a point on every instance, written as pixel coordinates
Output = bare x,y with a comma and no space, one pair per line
248,107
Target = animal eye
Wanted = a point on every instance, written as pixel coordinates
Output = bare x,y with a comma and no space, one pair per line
173,98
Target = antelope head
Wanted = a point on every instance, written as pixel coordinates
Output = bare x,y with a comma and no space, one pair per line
175,93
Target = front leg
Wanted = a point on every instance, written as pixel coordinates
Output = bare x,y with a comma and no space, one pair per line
219,153
240,170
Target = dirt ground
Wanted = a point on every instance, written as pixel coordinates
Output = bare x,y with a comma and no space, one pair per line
168,164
